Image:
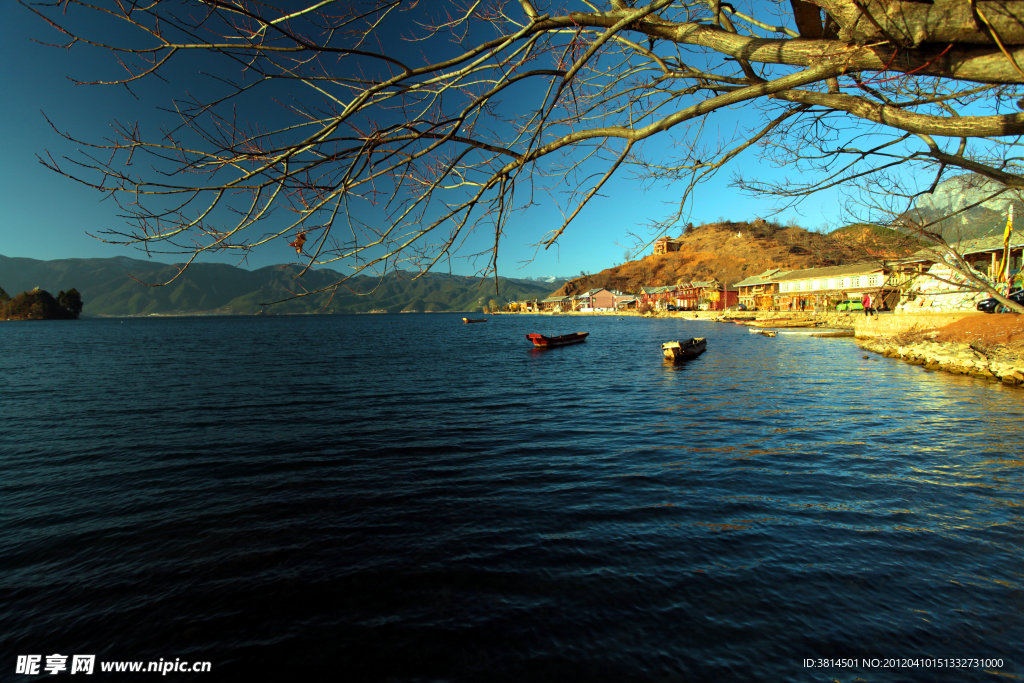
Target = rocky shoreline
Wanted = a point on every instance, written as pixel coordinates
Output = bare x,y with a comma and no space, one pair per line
978,360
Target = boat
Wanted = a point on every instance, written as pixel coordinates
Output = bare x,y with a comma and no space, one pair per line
786,322
764,333
770,322
540,341
685,349
474,320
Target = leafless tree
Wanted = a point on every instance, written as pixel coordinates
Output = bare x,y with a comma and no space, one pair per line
387,130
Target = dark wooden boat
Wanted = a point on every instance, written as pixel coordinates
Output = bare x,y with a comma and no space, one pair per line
539,340
685,349
474,320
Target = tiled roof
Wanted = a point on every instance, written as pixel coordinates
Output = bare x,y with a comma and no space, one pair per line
758,280
970,247
851,269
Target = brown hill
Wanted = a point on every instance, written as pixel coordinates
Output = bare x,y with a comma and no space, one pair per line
733,251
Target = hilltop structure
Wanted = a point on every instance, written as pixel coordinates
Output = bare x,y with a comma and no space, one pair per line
665,245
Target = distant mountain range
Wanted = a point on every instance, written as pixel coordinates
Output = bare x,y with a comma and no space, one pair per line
549,279
107,288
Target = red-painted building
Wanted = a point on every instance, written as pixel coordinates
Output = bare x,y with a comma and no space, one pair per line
657,297
711,296
690,296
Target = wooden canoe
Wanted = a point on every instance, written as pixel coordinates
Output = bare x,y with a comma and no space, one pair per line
685,349
540,341
803,322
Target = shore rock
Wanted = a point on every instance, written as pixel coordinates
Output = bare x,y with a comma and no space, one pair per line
994,362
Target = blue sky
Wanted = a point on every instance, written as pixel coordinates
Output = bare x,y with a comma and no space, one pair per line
46,216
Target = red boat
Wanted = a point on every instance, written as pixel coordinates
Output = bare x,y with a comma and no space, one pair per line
541,341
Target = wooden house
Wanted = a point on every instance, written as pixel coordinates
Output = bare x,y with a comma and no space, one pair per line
758,292
624,302
820,289
933,286
984,254
657,297
556,304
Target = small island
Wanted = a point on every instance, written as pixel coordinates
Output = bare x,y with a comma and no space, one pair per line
38,304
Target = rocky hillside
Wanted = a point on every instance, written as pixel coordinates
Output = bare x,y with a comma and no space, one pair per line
733,251
966,207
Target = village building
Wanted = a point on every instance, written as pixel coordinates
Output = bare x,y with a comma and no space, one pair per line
820,289
935,287
984,254
625,302
594,300
707,295
657,297
757,292
556,304
689,296
525,306
686,296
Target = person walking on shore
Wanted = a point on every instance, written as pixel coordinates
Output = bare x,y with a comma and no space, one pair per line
866,303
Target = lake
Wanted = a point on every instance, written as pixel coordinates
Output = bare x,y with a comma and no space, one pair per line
408,498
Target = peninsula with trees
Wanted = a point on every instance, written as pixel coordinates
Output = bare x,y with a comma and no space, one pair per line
38,304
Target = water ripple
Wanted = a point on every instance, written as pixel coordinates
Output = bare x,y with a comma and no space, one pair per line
277,498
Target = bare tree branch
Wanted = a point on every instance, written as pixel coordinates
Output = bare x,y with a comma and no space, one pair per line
384,133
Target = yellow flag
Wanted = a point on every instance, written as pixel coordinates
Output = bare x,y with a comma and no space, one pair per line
1004,266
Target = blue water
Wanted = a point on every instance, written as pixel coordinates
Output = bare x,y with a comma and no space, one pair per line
407,498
